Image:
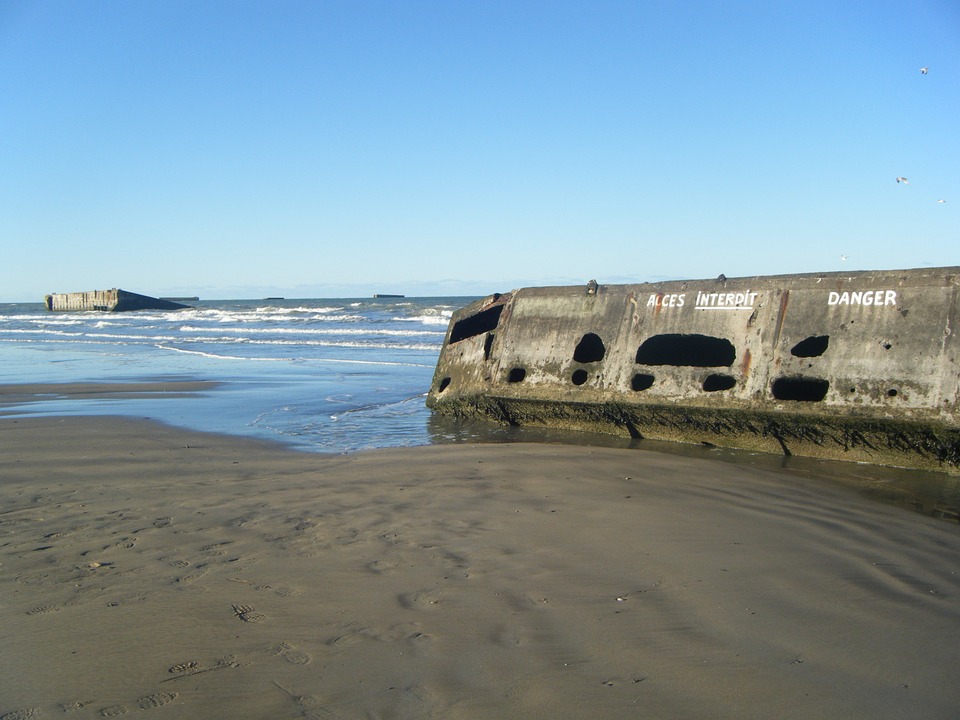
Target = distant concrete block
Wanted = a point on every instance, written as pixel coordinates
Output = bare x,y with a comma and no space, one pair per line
114,300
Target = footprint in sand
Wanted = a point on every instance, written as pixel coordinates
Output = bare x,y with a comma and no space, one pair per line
162,522
381,566
309,705
40,611
421,599
248,614
184,668
156,700
214,548
21,714
113,711
188,669
287,591
291,654
191,577
75,705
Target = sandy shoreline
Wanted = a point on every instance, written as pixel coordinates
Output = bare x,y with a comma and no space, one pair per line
151,569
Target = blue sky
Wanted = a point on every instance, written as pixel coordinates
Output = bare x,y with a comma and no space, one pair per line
345,147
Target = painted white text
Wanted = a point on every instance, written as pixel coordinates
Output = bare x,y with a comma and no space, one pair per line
859,297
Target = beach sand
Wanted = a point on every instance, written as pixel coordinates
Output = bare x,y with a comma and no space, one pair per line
156,572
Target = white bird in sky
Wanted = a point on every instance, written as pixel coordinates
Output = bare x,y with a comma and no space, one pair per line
842,258
941,201
903,180
923,70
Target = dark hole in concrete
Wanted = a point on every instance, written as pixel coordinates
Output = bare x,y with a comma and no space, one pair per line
483,321
887,346
686,350
589,349
800,389
444,384
892,392
516,375
487,344
579,377
641,381
713,383
813,346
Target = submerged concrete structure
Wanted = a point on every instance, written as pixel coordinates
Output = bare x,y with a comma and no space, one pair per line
859,366
114,300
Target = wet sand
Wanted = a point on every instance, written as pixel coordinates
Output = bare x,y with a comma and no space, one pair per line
39,392
151,571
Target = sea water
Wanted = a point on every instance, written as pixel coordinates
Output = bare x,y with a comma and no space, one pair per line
329,375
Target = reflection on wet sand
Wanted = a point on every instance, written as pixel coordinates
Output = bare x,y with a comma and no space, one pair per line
934,494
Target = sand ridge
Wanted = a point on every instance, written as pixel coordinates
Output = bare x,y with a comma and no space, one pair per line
151,570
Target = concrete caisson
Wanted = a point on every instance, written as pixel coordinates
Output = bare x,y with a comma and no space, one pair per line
113,300
856,366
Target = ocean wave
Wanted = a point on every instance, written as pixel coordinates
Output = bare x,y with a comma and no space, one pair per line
313,331
271,310
399,405
347,344
218,356
427,319
68,342
268,315
307,341
346,361
37,331
59,321
141,338
430,316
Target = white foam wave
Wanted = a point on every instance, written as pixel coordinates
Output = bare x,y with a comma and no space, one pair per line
35,331
141,338
267,314
59,321
345,361
430,316
271,310
427,319
215,356
313,331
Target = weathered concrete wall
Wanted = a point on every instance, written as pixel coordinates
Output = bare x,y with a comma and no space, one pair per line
858,366
107,300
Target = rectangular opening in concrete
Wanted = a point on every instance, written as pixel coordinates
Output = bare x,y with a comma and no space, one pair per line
800,389
686,351
483,321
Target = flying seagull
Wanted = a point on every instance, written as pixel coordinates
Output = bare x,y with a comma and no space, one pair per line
923,70
842,258
941,201
903,180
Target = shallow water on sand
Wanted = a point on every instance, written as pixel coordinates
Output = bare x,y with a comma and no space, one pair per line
327,375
